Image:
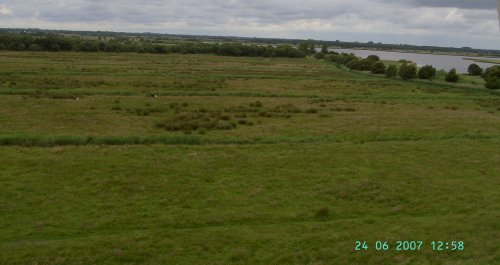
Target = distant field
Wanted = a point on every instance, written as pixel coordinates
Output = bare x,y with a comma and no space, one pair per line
200,159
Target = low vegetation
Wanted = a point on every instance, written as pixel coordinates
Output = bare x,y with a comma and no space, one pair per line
127,158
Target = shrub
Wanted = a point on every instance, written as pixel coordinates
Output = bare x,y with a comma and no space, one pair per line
404,61
373,58
392,71
492,77
360,64
319,56
408,71
427,72
378,68
475,69
452,76
343,58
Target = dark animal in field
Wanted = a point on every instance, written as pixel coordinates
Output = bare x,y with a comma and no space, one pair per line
153,96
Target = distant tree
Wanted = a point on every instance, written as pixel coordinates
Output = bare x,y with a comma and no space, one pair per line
427,72
392,71
88,46
408,71
475,69
378,68
492,77
452,76
373,58
35,47
17,46
324,49
307,47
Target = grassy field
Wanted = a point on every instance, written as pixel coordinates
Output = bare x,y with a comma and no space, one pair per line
200,159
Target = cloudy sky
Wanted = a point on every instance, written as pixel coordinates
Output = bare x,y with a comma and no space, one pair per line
455,23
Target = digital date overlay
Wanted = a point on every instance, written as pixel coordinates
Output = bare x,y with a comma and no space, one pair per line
403,245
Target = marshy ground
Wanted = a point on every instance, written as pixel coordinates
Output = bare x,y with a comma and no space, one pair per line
239,161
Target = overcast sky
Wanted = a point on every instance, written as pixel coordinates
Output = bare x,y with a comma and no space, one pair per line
455,23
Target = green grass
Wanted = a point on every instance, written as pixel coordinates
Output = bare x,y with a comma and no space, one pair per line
319,157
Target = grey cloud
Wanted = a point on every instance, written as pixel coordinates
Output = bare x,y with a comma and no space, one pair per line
463,4
426,20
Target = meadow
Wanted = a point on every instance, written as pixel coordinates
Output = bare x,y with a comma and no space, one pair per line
125,158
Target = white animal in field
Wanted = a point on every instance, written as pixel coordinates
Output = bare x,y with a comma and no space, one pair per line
77,98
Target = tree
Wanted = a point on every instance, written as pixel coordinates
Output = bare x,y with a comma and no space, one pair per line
373,58
492,77
475,69
392,71
452,76
307,47
427,72
324,49
378,68
408,71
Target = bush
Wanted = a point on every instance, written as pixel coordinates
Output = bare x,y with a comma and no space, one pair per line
492,77
427,72
452,76
378,68
373,58
404,61
360,64
475,69
343,58
408,71
319,56
392,71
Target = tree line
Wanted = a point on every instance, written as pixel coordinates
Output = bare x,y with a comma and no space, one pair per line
264,41
27,42
408,70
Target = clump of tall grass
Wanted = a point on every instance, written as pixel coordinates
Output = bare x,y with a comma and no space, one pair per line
287,108
322,213
193,121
